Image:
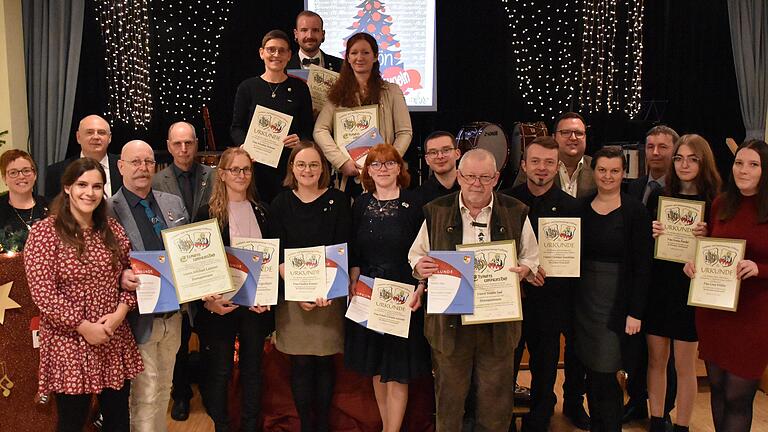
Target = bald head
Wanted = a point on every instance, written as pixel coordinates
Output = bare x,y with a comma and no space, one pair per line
94,135
182,144
137,164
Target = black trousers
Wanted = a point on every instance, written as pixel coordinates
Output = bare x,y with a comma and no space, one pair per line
575,385
218,334
606,401
182,388
73,410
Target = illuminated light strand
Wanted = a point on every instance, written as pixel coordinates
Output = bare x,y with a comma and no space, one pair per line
125,30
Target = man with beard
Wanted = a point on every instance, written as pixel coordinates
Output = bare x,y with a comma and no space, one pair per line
546,301
309,34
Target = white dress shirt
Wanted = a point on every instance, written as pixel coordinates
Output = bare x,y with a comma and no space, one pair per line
104,162
303,56
570,184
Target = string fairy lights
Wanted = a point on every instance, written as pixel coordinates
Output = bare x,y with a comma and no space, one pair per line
125,30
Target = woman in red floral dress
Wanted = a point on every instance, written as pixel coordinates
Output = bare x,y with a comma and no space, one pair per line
74,261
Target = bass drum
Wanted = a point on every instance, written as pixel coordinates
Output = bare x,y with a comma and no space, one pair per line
488,136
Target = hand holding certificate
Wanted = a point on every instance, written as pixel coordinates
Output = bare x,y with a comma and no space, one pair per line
389,311
716,283
497,288
452,285
304,273
268,129
560,246
360,305
155,293
678,217
266,291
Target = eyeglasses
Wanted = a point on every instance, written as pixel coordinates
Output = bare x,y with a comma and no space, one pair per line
441,152
377,165
236,171
136,163
484,179
24,171
272,50
301,166
691,160
566,133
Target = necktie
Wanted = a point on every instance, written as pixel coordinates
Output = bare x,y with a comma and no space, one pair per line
187,179
653,185
308,61
157,223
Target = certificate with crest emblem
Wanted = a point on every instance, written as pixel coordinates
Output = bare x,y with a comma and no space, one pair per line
319,81
155,293
497,289
268,129
679,217
266,290
560,246
452,285
715,284
389,312
351,123
198,260
305,273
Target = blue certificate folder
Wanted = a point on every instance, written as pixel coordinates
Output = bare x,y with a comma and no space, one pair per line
337,270
156,293
245,269
359,148
452,286
302,74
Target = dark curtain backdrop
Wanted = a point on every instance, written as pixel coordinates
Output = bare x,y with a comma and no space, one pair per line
687,61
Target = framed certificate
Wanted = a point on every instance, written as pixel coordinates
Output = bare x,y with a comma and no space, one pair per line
560,246
266,290
679,217
389,312
304,273
319,82
198,260
497,289
452,285
350,123
715,284
264,141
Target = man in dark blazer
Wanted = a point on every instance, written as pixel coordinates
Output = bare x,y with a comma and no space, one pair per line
309,34
192,182
94,135
144,213
659,146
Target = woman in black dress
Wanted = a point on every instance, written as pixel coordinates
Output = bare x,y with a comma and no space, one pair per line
310,214
19,208
233,204
693,176
386,221
610,300
273,89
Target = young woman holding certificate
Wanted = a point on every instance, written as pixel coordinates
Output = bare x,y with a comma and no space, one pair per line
693,176
74,262
386,221
734,345
310,214
610,299
360,84
273,89
233,204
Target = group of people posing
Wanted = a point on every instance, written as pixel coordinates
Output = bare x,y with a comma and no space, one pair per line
98,207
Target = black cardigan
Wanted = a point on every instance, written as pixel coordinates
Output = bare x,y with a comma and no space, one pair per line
636,268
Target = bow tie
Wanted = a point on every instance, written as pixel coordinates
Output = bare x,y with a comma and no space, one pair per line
309,61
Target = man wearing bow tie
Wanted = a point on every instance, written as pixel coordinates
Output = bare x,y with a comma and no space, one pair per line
309,35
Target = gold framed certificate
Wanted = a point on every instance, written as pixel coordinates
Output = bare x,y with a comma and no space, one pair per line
715,284
497,289
560,246
319,82
389,312
350,123
679,217
304,273
268,129
198,260
266,291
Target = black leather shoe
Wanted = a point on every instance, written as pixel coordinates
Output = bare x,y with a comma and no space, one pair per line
577,416
634,411
180,410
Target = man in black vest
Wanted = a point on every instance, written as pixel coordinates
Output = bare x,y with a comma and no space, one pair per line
474,214
310,35
547,301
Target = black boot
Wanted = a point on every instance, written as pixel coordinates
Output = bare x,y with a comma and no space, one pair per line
657,424
678,428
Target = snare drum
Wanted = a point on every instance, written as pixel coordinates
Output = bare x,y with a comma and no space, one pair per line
488,136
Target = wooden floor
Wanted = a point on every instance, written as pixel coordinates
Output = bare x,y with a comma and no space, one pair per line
702,419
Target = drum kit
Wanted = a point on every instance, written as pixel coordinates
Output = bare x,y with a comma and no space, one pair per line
491,137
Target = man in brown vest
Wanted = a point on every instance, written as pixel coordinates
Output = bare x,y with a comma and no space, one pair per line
472,215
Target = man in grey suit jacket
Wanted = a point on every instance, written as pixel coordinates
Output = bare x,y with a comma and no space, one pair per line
144,213
192,182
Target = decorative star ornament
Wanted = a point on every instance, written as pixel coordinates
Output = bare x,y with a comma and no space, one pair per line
5,301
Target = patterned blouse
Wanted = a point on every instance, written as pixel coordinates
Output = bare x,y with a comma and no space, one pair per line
68,290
